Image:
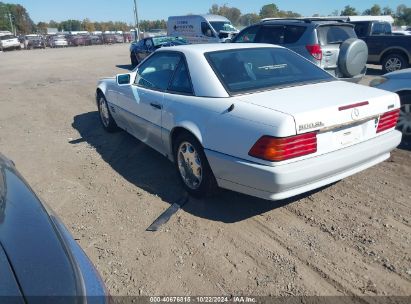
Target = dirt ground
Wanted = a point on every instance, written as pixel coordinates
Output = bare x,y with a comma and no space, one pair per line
351,238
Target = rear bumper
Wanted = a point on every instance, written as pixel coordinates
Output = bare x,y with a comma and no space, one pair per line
283,181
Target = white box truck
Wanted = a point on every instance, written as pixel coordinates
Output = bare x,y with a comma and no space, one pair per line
201,28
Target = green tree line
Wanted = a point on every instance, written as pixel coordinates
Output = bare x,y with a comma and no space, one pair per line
14,17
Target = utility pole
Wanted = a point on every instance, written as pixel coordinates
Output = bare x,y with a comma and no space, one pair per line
137,38
11,24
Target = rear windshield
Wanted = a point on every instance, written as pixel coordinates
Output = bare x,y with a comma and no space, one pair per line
256,69
280,34
331,34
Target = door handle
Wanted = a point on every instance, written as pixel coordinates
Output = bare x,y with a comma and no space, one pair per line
156,105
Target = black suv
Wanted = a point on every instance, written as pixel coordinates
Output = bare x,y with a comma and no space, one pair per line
332,44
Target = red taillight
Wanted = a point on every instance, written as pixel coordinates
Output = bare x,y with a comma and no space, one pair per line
388,120
278,149
315,51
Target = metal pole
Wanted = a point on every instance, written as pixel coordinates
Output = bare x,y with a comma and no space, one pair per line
137,21
11,24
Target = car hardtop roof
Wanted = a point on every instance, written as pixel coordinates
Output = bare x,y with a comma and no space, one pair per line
208,17
215,47
307,20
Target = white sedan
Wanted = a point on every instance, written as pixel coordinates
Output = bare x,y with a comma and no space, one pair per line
252,118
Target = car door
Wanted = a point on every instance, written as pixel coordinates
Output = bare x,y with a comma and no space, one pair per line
145,104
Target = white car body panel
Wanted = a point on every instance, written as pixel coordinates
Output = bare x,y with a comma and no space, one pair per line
59,42
10,43
346,144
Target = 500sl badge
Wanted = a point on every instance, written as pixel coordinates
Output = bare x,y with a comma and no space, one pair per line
310,125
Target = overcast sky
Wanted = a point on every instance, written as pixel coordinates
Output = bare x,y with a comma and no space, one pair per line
122,10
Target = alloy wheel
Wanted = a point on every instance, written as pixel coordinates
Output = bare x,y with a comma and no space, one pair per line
104,115
189,165
393,64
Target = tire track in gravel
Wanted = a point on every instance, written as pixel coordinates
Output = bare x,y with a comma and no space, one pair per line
345,253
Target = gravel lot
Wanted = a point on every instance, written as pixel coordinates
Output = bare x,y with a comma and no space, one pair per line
351,238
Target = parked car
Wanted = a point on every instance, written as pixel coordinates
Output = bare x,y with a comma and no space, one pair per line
58,41
141,49
35,42
79,40
109,38
253,118
9,42
119,38
40,261
96,39
330,44
400,83
393,52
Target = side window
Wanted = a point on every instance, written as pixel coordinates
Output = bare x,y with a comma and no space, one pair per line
181,81
247,35
293,33
140,44
361,29
271,34
149,43
378,29
206,30
156,72
387,29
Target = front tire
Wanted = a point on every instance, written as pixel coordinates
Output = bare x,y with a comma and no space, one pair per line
192,166
106,119
393,62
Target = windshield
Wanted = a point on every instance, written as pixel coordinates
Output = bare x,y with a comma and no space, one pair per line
223,26
164,40
5,37
245,70
33,38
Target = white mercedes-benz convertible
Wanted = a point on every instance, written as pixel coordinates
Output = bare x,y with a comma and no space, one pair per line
252,118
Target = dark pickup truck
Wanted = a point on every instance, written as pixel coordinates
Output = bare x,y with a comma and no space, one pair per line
391,51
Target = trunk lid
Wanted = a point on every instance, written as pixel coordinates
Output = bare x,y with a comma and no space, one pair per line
342,113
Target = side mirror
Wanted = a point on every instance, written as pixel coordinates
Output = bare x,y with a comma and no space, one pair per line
123,79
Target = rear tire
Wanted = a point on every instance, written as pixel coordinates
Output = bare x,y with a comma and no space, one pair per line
192,166
393,62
